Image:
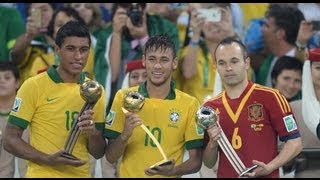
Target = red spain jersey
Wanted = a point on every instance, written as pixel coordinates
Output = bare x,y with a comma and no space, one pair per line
252,124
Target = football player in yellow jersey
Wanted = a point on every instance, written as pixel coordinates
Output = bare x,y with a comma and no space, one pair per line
49,103
167,112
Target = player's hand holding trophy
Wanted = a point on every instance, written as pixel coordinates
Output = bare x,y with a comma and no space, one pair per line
90,92
206,117
133,101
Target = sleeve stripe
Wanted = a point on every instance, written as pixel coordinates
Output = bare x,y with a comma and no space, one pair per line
197,143
18,121
281,100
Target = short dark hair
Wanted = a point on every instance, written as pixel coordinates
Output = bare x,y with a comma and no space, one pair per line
9,66
229,41
288,18
285,63
72,28
69,11
162,42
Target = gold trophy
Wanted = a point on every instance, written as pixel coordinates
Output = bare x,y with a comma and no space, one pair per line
90,92
133,102
205,117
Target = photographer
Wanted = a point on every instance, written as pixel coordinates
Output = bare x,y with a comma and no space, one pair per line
34,41
131,27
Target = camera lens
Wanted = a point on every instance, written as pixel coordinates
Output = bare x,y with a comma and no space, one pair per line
135,15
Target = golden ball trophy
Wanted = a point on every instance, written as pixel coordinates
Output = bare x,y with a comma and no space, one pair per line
90,92
206,117
133,102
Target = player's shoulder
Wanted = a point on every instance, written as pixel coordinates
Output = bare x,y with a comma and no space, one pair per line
184,96
37,79
266,91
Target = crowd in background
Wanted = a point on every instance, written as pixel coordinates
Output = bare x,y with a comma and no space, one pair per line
279,38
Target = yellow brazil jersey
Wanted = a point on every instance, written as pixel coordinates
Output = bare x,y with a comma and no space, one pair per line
49,106
44,61
170,120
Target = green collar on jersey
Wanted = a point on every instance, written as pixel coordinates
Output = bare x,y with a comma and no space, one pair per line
54,75
143,90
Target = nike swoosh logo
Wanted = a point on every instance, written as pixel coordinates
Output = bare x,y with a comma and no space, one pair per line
51,99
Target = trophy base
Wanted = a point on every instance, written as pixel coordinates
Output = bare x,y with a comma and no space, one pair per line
161,163
69,156
250,169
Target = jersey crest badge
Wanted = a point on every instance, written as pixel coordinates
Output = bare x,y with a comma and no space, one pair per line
174,116
290,123
255,112
110,118
17,104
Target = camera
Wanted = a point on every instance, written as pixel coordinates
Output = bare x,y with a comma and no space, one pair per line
135,15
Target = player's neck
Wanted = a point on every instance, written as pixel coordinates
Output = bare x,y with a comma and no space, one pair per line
68,77
236,90
158,92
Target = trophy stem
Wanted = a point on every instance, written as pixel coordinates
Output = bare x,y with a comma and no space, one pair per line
74,133
155,141
151,136
232,155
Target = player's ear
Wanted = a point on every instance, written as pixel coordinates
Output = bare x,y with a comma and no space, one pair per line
175,63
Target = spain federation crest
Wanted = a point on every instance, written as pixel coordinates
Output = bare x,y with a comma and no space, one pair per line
255,112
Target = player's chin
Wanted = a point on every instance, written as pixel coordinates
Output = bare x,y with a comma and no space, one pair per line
157,81
76,71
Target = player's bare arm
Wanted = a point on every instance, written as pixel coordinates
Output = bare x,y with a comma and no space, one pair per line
96,143
290,150
192,165
210,154
14,144
117,146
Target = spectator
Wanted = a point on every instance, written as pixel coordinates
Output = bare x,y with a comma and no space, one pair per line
287,77
35,41
11,26
92,16
280,32
307,113
135,74
9,84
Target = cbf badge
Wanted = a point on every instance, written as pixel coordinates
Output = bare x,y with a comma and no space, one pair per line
174,116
